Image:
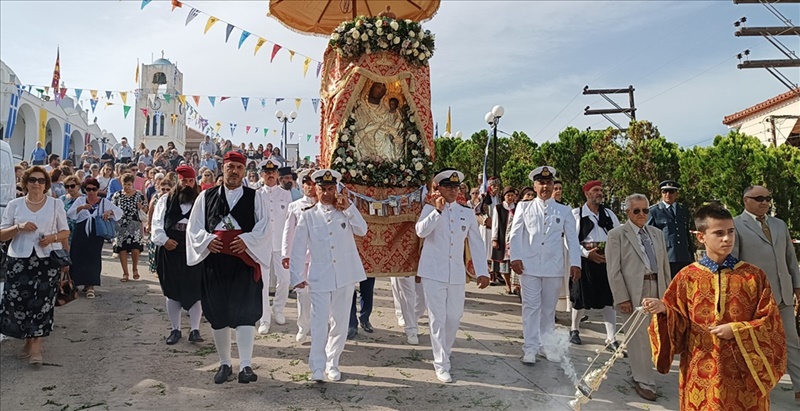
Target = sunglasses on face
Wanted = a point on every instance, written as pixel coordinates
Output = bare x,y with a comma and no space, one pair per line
40,180
70,186
90,189
636,211
759,199
669,191
164,189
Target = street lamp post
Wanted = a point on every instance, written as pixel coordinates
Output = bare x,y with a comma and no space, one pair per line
493,119
457,134
284,120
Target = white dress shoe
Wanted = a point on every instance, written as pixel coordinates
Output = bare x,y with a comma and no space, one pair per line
334,374
401,322
529,358
279,318
443,376
318,376
300,337
263,329
412,339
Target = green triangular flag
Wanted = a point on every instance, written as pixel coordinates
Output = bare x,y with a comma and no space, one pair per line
125,110
167,98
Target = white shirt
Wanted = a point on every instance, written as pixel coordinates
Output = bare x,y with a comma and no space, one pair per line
277,202
293,213
442,257
124,151
755,217
598,234
496,222
50,219
328,235
538,235
197,238
160,236
102,206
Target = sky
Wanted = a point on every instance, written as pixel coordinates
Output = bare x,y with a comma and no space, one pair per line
532,57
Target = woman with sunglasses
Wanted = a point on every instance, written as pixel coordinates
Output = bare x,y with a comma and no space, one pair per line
35,224
164,185
73,186
87,247
206,180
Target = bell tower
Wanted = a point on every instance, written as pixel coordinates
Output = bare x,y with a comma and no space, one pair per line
160,115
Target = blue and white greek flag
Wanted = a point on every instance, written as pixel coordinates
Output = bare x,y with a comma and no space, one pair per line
13,111
67,133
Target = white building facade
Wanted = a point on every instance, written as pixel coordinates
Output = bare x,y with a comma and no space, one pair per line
775,121
160,115
63,128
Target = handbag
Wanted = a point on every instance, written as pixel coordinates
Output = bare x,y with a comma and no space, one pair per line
106,229
67,291
59,257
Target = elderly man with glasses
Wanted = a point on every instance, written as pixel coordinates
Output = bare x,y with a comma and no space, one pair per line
674,221
764,241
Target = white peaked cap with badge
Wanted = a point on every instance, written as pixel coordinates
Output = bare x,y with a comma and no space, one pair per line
449,177
269,164
542,173
326,176
303,173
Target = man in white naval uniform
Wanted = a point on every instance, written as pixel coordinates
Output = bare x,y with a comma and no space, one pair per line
277,200
326,232
444,226
537,239
292,216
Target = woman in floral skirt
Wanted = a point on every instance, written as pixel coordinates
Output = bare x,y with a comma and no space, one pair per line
129,232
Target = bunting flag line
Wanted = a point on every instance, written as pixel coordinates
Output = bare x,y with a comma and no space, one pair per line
247,130
219,126
244,37
245,100
315,103
125,110
176,5
124,96
108,95
192,14
305,66
308,138
78,93
319,67
167,98
144,112
278,100
228,31
263,102
182,99
275,50
196,100
291,55
93,102
94,94
209,23
212,99
259,43
233,128
265,132
223,98
297,102
144,3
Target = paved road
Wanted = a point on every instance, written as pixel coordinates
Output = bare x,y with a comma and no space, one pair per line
109,353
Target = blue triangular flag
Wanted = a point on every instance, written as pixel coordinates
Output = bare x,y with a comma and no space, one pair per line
233,127
212,99
315,103
78,92
245,34
245,100
93,102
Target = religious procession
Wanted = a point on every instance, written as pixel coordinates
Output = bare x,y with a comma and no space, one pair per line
603,270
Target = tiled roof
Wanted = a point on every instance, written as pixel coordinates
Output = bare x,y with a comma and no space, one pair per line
779,99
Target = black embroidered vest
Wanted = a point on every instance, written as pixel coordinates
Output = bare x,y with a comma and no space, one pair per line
173,212
217,207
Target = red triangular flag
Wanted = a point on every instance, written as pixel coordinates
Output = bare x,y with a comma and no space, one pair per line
144,111
221,99
196,100
176,4
275,50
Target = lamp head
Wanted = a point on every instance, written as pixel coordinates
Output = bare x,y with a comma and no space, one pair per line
458,134
489,118
498,111
293,115
446,134
279,114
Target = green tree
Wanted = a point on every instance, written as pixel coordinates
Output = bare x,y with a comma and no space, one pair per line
443,149
565,155
523,156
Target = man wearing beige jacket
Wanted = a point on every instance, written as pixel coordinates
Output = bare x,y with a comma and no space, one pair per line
638,267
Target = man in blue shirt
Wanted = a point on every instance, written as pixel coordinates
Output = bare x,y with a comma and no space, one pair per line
208,162
38,155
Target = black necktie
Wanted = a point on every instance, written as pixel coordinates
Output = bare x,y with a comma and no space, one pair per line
672,210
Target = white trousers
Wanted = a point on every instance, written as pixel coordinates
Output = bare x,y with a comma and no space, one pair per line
329,308
445,304
281,288
539,298
410,299
303,307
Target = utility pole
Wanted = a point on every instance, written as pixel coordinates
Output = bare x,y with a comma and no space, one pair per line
771,34
629,111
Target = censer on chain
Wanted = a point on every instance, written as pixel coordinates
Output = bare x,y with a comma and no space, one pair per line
591,379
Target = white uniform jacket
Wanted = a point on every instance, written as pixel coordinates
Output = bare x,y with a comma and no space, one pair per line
327,234
277,201
444,234
292,217
537,238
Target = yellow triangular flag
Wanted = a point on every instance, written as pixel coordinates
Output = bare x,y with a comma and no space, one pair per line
305,65
94,94
182,98
297,102
218,126
259,43
291,55
124,96
209,23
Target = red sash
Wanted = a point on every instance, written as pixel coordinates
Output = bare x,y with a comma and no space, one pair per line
227,236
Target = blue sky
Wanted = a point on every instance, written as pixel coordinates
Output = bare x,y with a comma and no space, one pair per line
533,57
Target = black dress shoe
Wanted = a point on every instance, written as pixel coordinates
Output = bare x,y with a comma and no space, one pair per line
614,346
584,318
367,326
352,332
246,376
194,336
223,374
174,336
575,337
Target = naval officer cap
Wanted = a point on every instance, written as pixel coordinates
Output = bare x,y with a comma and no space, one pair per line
285,171
448,177
542,173
304,176
269,165
669,185
326,176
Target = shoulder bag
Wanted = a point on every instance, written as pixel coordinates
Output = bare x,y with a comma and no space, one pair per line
59,257
104,228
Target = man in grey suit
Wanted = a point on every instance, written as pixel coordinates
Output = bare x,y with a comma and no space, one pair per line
764,241
673,220
638,267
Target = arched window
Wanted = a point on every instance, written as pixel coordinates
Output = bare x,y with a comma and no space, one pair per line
155,124
161,130
147,126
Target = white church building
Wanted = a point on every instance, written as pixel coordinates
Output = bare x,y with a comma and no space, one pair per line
63,127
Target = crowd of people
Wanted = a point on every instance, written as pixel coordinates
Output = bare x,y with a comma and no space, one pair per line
217,225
